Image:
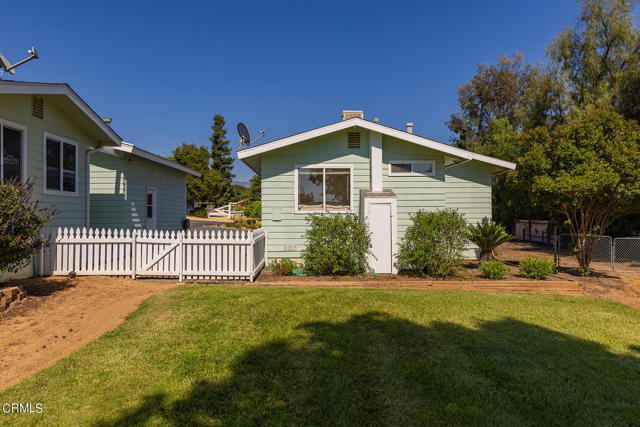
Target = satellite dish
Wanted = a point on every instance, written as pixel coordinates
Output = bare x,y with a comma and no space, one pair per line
6,66
245,139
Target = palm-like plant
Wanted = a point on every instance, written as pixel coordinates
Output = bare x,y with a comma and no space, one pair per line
488,236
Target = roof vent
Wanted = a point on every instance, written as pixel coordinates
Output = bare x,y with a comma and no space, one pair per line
37,107
409,127
376,120
350,114
353,140
107,121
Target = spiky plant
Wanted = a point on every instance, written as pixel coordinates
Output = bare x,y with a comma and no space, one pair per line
488,236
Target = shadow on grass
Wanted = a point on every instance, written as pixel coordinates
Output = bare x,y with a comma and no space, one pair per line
377,369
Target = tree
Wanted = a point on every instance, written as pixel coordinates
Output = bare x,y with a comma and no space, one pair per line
20,224
587,170
255,189
488,236
197,158
600,54
520,93
221,158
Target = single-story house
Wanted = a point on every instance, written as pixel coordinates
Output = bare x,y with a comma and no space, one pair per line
380,173
49,134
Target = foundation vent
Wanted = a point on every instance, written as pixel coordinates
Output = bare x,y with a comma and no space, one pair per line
354,140
37,107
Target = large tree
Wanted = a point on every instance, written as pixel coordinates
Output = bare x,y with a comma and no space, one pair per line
199,189
221,160
255,189
599,56
587,170
520,93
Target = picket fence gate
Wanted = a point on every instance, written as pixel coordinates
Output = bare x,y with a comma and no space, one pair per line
216,254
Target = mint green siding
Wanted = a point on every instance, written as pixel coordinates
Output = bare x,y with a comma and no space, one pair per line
60,120
119,192
466,187
285,227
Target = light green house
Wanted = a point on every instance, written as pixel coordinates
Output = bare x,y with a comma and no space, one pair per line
380,173
52,136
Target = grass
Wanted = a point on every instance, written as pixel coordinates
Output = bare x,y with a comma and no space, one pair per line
198,355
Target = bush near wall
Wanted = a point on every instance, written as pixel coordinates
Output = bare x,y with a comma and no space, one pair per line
434,243
336,244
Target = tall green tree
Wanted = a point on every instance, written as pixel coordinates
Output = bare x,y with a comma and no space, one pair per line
255,189
599,56
587,170
199,189
520,93
221,159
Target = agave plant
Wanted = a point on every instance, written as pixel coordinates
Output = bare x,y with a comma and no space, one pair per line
488,236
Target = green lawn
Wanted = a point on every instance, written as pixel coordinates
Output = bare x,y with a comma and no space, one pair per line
198,355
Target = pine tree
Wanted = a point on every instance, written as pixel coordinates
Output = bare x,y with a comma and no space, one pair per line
222,162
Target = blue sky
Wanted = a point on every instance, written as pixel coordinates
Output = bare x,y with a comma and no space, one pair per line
161,70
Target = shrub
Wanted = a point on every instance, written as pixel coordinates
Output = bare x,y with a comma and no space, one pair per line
535,267
488,236
20,224
283,267
253,210
434,242
200,212
494,269
336,244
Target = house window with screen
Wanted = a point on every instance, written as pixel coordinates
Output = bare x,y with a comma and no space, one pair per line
412,168
323,189
10,153
60,173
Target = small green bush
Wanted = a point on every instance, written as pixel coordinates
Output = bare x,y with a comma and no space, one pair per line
494,269
488,236
283,267
200,212
536,268
253,210
433,243
336,244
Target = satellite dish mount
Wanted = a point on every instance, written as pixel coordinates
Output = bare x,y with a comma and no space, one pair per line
245,138
7,67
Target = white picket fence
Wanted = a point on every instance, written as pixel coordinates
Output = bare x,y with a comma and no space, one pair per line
216,254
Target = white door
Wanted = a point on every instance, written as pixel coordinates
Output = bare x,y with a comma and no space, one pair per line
152,209
380,224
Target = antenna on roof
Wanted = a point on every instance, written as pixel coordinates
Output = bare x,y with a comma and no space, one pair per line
245,138
6,67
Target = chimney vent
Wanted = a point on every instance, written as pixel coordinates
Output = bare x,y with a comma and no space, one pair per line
107,121
350,114
409,127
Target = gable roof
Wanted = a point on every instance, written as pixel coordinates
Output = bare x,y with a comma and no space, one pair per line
38,88
127,147
247,153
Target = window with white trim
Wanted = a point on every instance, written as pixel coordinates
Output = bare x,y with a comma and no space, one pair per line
412,168
11,147
323,189
60,173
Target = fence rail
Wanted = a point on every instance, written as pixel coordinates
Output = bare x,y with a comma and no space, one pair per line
218,254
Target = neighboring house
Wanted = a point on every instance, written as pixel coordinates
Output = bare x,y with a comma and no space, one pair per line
380,173
49,134
133,188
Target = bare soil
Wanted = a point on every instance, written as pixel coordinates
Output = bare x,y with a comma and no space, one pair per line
60,315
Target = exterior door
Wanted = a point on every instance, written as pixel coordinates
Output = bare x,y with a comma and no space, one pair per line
380,225
152,208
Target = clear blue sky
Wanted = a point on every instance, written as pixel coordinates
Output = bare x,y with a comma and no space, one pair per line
161,70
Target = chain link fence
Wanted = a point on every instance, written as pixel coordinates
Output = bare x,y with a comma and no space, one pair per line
619,254
626,254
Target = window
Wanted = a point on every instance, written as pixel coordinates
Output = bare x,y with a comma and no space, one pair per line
412,168
11,147
149,205
323,188
60,174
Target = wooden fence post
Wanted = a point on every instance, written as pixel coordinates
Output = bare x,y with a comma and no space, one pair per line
134,249
180,257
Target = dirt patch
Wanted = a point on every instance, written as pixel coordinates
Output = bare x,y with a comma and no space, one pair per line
60,315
